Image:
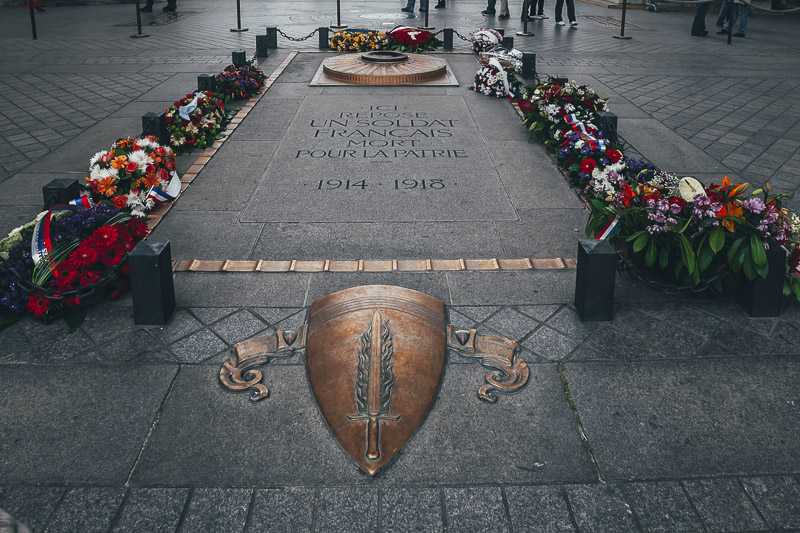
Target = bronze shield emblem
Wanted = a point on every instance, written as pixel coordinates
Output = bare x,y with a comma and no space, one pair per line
375,357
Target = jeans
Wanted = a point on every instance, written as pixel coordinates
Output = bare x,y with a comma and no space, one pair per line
423,4
570,10
699,22
723,13
489,6
739,10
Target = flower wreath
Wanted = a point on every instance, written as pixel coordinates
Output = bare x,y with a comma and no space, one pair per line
242,81
493,80
484,38
359,40
134,174
408,39
195,121
509,59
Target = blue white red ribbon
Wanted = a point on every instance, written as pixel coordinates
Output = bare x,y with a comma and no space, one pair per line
83,201
609,229
40,241
595,144
159,195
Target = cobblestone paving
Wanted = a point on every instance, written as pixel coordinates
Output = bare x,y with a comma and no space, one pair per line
768,503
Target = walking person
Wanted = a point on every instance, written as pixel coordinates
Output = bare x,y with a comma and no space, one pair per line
699,21
538,14
739,11
570,12
171,6
723,14
423,6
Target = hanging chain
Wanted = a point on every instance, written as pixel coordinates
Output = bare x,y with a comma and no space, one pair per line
309,36
461,36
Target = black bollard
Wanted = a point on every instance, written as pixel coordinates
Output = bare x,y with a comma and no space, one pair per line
339,25
324,39
239,58
594,280
238,18
508,43
272,36
763,297
501,31
155,124
151,282
525,32
262,46
622,23
607,123
528,65
206,82
138,33
558,80
448,38
60,191
33,19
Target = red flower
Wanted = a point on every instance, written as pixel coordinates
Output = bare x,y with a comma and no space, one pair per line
119,201
84,255
613,155
125,268
588,165
105,236
38,306
131,167
118,290
89,277
137,228
163,175
794,262
677,200
111,255
72,301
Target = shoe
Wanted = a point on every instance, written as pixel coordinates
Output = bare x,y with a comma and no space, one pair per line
704,34
503,16
542,16
423,9
168,8
559,23
738,34
573,23
407,10
722,31
440,5
146,9
487,12
536,17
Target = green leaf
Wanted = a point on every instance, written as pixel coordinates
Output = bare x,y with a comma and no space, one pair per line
762,270
652,253
641,242
734,253
687,254
663,258
748,268
796,288
717,239
705,257
757,250
635,236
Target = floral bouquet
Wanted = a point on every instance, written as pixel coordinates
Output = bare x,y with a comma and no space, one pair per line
195,121
793,247
547,105
237,82
407,39
510,60
134,174
67,257
483,39
359,40
493,80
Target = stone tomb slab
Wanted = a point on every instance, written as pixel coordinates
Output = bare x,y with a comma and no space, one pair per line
395,159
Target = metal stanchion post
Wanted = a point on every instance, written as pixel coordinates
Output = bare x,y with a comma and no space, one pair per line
339,25
33,20
622,24
730,21
138,22
238,18
525,32
426,26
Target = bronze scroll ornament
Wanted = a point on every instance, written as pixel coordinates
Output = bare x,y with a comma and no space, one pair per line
375,358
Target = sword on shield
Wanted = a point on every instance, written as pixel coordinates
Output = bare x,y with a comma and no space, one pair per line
374,382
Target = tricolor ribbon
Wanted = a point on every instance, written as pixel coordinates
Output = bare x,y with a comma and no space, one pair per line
609,229
595,144
84,202
159,195
41,245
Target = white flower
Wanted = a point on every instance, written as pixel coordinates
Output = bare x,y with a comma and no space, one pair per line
98,173
95,157
147,143
140,157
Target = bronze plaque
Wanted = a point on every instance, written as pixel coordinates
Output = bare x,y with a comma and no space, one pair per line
375,357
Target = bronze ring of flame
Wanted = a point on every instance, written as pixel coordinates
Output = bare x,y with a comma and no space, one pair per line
354,68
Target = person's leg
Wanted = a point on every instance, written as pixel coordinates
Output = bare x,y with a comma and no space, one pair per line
559,8
503,9
409,6
540,10
423,5
743,23
147,7
489,8
171,5
699,21
571,10
723,14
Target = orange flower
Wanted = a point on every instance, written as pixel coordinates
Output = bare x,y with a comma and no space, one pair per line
119,162
106,186
124,143
151,180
